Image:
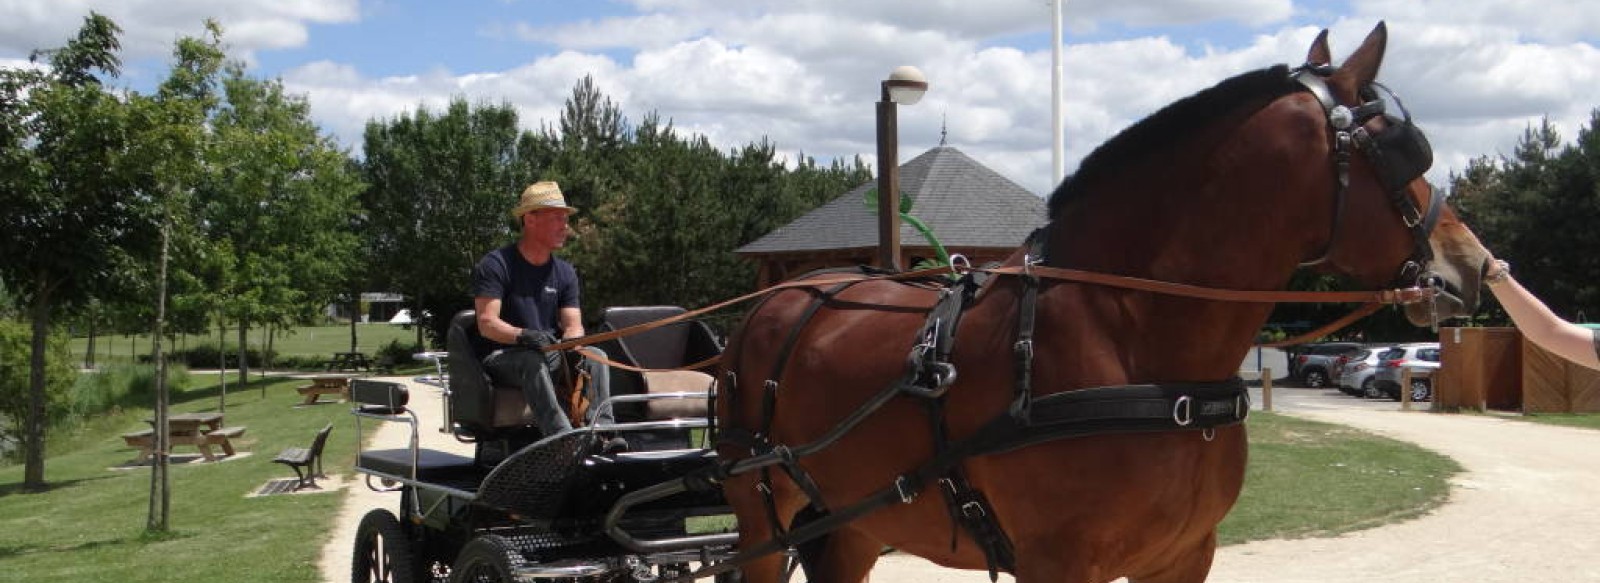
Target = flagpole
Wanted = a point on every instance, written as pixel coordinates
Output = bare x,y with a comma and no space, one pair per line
1058,135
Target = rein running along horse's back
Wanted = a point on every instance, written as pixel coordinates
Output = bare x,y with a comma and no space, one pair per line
1073,431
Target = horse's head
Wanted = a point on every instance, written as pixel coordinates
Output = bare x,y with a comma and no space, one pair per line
1379,159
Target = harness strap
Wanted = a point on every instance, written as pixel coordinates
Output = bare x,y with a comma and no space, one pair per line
1148,408
1027,315
789,462
971,509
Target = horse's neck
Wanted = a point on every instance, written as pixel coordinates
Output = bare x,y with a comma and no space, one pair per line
1152,336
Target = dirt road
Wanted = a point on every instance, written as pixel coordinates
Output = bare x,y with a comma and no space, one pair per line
1526,508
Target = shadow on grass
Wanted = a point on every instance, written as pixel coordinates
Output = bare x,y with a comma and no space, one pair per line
143,537
213,392
20,488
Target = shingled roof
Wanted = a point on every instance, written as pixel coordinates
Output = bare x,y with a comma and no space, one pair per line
964,202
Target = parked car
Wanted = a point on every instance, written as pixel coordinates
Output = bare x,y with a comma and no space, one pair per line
1422,359
1312,364
1352,374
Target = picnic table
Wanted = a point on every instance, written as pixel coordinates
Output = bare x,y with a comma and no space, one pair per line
349,361
201,430
325,384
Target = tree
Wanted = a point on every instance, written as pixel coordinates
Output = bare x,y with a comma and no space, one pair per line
441,186
74,215
281,195
170,136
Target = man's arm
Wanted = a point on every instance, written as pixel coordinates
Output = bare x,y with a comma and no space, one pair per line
570,321
489,323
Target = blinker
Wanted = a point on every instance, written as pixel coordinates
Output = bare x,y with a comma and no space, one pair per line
1400,151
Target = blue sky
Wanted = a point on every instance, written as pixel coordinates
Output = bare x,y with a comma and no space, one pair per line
803,73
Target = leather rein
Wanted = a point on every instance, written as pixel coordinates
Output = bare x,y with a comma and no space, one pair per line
1372,300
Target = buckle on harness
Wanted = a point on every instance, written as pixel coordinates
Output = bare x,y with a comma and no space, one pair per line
973,510
1183,411
902,486
1023,348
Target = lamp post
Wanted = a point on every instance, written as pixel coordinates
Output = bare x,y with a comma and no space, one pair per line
904,85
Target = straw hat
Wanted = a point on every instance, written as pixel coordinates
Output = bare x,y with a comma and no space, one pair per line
540,196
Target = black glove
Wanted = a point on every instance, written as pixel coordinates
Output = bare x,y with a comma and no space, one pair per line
534,338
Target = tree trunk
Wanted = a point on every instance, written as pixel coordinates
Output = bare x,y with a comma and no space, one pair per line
33,434
244,351
266,350
355,314
88,354
160,485
417,321
222,357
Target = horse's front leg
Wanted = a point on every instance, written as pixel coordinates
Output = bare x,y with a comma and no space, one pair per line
1190,565
750,507
847,556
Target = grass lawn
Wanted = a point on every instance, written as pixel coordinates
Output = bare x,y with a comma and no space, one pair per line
1310,479
1305,479
90,524
1583,420
308,341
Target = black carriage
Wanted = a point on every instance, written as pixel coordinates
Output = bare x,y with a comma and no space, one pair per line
528,506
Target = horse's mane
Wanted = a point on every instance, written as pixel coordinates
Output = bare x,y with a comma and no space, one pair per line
1180,118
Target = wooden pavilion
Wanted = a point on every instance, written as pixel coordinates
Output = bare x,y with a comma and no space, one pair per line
972,210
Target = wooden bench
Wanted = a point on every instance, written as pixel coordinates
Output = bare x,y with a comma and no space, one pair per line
224,437
349,361
324,386
306,462
144,440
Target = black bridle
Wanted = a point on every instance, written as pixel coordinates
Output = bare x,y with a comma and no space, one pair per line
1400,153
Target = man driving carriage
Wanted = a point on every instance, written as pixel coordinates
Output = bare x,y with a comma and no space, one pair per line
527,298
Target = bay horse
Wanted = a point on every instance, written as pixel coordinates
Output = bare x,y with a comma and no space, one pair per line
1233,188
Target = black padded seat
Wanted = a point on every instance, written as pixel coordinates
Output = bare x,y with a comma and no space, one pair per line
479,408
432,465
669,347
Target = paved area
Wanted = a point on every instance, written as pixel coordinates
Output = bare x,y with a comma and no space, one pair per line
1526,508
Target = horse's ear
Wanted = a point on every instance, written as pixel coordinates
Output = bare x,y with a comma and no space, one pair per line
1319,53
1362,67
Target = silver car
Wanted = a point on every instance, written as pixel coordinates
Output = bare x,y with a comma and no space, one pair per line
1353,374
1422,359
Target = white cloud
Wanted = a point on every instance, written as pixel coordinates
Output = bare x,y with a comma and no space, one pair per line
805,73
150,26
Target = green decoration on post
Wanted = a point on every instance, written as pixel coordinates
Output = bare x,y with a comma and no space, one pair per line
906,202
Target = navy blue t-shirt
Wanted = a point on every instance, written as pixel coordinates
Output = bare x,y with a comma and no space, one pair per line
530,295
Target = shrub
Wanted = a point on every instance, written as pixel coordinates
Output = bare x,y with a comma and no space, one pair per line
121,386
16,349
397,354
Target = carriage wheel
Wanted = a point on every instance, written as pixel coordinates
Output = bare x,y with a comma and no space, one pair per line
487,559
383,553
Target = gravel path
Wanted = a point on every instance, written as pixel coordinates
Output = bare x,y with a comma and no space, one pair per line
1527,508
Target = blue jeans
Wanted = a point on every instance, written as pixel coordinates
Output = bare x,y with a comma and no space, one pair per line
532,370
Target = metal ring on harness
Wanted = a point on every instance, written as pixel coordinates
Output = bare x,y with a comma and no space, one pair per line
1183,411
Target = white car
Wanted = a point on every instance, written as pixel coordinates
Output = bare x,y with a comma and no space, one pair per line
1421,358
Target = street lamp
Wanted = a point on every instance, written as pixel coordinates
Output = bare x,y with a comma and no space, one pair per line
904,85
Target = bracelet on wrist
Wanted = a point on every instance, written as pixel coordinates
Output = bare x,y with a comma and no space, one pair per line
1501,272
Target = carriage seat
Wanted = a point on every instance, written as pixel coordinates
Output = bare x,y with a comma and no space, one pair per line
671,346
478,407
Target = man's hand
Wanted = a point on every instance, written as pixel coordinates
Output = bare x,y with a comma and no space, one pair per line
533,338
